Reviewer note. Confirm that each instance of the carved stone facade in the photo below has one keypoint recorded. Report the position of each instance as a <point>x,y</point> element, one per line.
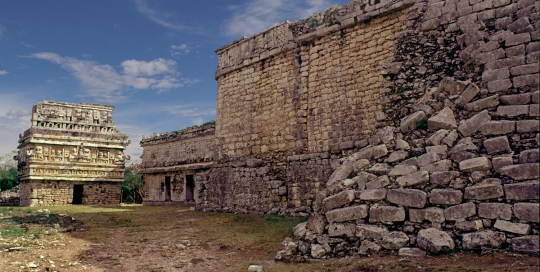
<point>72,154</point>
<point>175,164</point>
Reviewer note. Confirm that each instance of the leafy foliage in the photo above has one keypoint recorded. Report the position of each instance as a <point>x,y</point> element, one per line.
<point>8,171</point>
<point>133,185</point>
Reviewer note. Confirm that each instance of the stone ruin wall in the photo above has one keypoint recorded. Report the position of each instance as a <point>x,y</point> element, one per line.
<point>292,99</point>
<point>71,144</point>
<point>176,154</point>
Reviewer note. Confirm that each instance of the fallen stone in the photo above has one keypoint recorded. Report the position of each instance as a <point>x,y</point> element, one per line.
<point>373,195</point>
<point>300,230</point>
<point>497,127</point>
<point>386,214</point>
<point>379,169</point>
<point>439,149</point>
<point>517,228</point>
<point>386,134</point>
<point>460,212</point>
<point>284,256</point>
<point>380,182</point>
<point>411,252</point>
<point>343,172</point>
<point>431,214</point>
<point>472,125</point>
<point>427,158</point>
<point>402,169</point>
<point>363,178</point>
<point>496,145</point>
<point>467,96</point>
<point>397,156</point>
<point>439,166</point>
<point>409,122</point>
<point>445,197</point>
<point>420,177</point>
<point>451,86</point>
<point>485,103</point>
<point>407,197</point>
<point>317,251</point>
<point>526,244</point>
<point>529,156</point>
<point>338,200</point>
<point>402,145</point>
<point>475,164</point>
<point>360,165</point>
<point>527,211</point>
<point>443,120</point>
<point>437,137</point>
<point>365,231</point>
<point>443,178</point>
<point>522,191</point>
<point>500,162</point>
<point>394,240</point>
<point>521,171</point>
<point>450,138</point>
<point>368,247</point>
<point>435,241</point>
<point>379,151</point>
<point>475,225</point>
<point>481,239</point>
<point>487,189</point>
<point>347,214</point>
<point>495,211</point>
<point>316,223</point>
<point>342,229</point>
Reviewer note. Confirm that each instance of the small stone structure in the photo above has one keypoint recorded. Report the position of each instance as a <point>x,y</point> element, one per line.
<point>72,154</point>
<point>174,165</point>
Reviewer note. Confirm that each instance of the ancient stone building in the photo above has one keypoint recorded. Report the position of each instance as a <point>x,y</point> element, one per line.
<point>175,164</point>
<point>72,154</point>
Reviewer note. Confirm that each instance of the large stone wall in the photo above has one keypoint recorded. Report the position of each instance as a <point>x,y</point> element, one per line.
<point>71,145</point>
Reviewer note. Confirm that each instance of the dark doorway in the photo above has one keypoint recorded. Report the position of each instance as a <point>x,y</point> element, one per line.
<point>167,188</point>
<point>77,194</point>
<point>190,185</point>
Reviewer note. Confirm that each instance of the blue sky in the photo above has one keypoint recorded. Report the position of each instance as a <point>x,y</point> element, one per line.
<point>153,60</point>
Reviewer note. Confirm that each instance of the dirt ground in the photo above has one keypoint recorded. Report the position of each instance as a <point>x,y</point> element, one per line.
<point>136,238</point>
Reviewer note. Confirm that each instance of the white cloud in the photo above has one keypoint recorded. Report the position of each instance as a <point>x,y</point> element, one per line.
<point>180,49</point>
<point>165,19</point>
<point>190,110</point>
<point>14,114</point>
<point>26,45</point>
<point>3,72</point>
<point>258,15</point>
<point>105,84</point>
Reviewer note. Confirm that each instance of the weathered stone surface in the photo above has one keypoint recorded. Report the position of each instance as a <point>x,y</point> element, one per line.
<point>407,197</point>
<point>397,156</point>
<point>484,103</point>
<point>343,172</point>
<point>379,151</point>
<point>402,145</point>
<point>527,211</point>
<point>409,122</point>
<point>460,212</point>
<point>379,182</point>
<point>347,214</point>
<point>522,191</point>
<point>513,111</point>
<point>521,171</point>
<point>500,162</point>
<point>467,95</point>
<point>451,86</point>
<point>434,240</point>
<point>439,166</point>
<point>495,211</point>
<point>517,228</point>
<point>379,169</point>
<point>394,240</point>
<point>482,239</point>
<point>386,214</point>
<point>445,197</point>
<point>365,231</point>
<point>529,156</point>
<point>338,200</point>
<point>516,99</point>
<point>498,144</point>
<point>432,214</point>
<point>475,225</point>
<point>368,247</point>
<point>411,252</point>
<point>342,229</point>
<point>472,125</point>
<point>475,164</point>
<point>361,165</point>
<point>415,178</point>
<point>443,178</point>
<point>317,251</point>
<point>450,138</point>
<point>316,223</point>
<point>524,126</point>
<point>437,137</point>
<point>526,244</point>
<point>300,230</point>
<point>373,194</point>
<point>498,127</point>
<point>487,189</point>
<point>427,158</point>
<point>439,149</point>
<point>402,169</point>
<point>443,120</point>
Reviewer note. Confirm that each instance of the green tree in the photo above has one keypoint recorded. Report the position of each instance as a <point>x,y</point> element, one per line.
<point>8,171</point>
<point>133,185</point>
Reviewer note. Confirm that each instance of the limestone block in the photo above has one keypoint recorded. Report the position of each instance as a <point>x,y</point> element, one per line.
<point>379,169</point>
<point>467,96</point>
<point>379,151</point>
<point>439,149</point>
<point>475,225</point>
<point>338,200</point>
<point>409,122</point>
<point>428,158</point>
<point>317,251</point>
<point>437,137</point>
<point>343,172</point>
<point>500,162</point>
<point>342,229</point>
<point>459,212</point>
<point>380,182</point>
<point>498,144</point>
<point>368,247</point>
<point>411,252</point>
<point>528,190</point>
<point>402,169</point>
<point>521,171</point>
<point>439,166</point>
<point>485,103</point>
<point>445,197</point>
<point>386,214</point>
<point>360,165</point>
<point>525,126</point>
<point>397,156</point>
<point>487,189</point>
<point>526,244</point>
<point>407,197</point>
<point>475,164</point>
<point>394,240</point>
<point>347,214</point>
<point>527,211</point>
<point>443,120</point>
<point>316,223</point>
<point>516,99</point>
<point>529,156</point>
<point>415,178</point>
<point>451,86</point>
<point>498,127</point>
<point>432,214</point>
<point>513,110</point>
<point>517,228</point>
<point>434,240</point>
<point>486,238</point>
<point>443,177</point>
<point>373,194</point>
<point>402,145</point>
<point>495,211</point>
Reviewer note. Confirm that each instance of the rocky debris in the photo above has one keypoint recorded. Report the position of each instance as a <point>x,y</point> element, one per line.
<point>394,240</point>
<point>485,238</point>
<point>256,268</point>
<point>444,120</point>
<point>434,241</point>
<point>526,244</point>
<point>410,122</point>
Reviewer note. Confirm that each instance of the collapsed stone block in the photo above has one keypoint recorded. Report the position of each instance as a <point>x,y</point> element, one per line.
<point>402,169</point>
<point>443,120</point>
<point>420,177</point>
<point>338,200</point>
<point>394,240</point>
<point>409,122</point>
<point>526,244</point>
<point>473,124</point>
<point>482,239</point>
<point>434,240</point>
<point>517,228</point>
<point>368,247</point>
